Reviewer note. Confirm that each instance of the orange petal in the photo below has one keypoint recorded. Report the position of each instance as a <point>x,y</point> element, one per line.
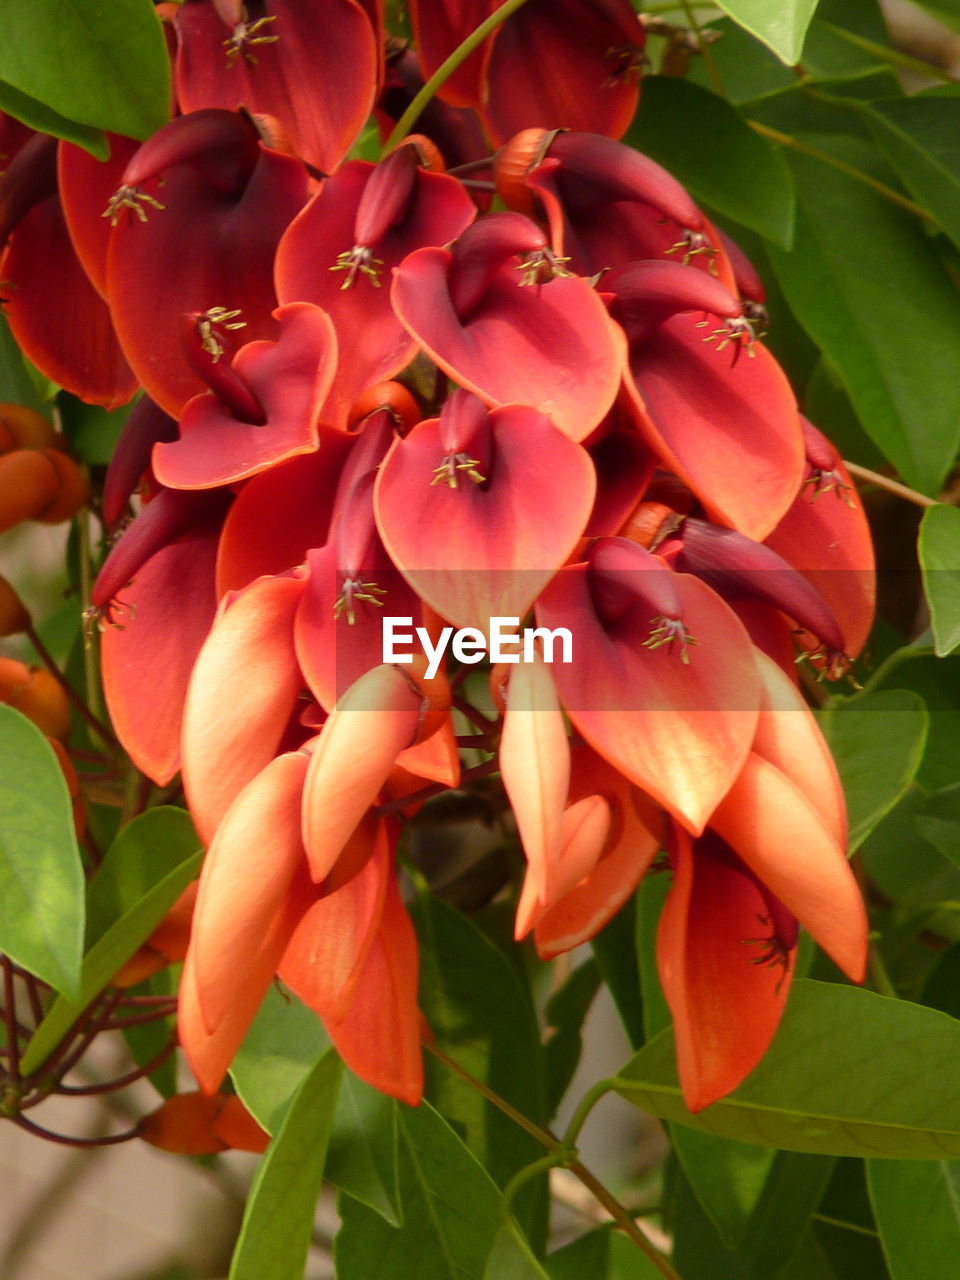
<point>784,841</point>
<point>584,829</point>
<point>246,875</point>
<point>242,692</point>
<point>535,765</point>
<point>379,1038</point>
<point>373,722</point>
<point>725,1008</point>
<point>331,943</point>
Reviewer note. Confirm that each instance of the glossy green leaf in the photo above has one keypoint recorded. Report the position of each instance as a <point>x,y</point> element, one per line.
<point>482,1017</point>
<point>781,25</point>
<point>102,65</point>
<point>939,552</point>
<point>452,1212</point>
<point>279,1051</point>
<point>41,873</point>
<point>884,342</point>
<point>865,1096</point>
<point>278,1220</point>
<point>920,137</point>
<point>877,740</point>
<point>149,865</point>
<point>917,1209</point>
<point>707,145</point>
<point>42,117</point>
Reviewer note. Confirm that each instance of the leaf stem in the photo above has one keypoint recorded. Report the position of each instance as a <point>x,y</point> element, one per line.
<point>584,1107</point>
<point>78,704</point>
<point>709,61</point>
<point>891,486</point>
<point>881,188</point>
<point>555,1145</point>
<point>446,70</point>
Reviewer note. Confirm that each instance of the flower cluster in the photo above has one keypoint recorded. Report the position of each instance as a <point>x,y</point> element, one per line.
<point>367,395</point>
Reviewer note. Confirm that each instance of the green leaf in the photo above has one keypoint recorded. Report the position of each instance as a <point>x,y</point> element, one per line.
<point>452,1212</point>
<point>919,137</point>
<point>483,1018</point>
<point>601,1254</point>
<point>651,896</point>
<point>838,1080</point>
<point>39,116</point>
<point>937,818</point>
<point>616,953</point>
<point>102,65</point>
<point>16,386</point>
<point>782,26</point>
<point>147,850</point>
<point>565,1013</point>
<point>883,342</point>
<point>149,865</point>
<point>362,1160</point>
<point>877,740</point>
<point>707,145</point>
<point>93,432</point>
<point>41,872</point>
<point>279,1051</point>
<point>917,1210</point>
<point>939,551</point>
<point>511,1257</point>
<point>278,1220</point>
<point>727,1178</point>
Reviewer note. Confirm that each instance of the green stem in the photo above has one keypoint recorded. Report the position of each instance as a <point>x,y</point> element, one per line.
<point>446,70</point>
<point>584,1107</point>
<point>531,1171</point>
<point>91,674</point>
<point>81,708</point>
<point>713,71</point>
<point>881,188</point>
<point>883,672</point>
<point>891,486</point>
<point>556,1147</point>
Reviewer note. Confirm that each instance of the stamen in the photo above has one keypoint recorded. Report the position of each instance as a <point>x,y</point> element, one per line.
<point>99,617</point>
<point>359,258</point>
<point>449,470</point>
<point>691,245</point>
<point>829,664</point>
<point>670,632</point>
<point>208,324</point>
<point>759,317</point>
<point>354,590</point>
<point>244,34</point>
<point>775,953</point>
<point>827,481</point>
<point>542,265</point>
<point>629,63</point>
<point>127,197</point>
<point>734,329</point>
